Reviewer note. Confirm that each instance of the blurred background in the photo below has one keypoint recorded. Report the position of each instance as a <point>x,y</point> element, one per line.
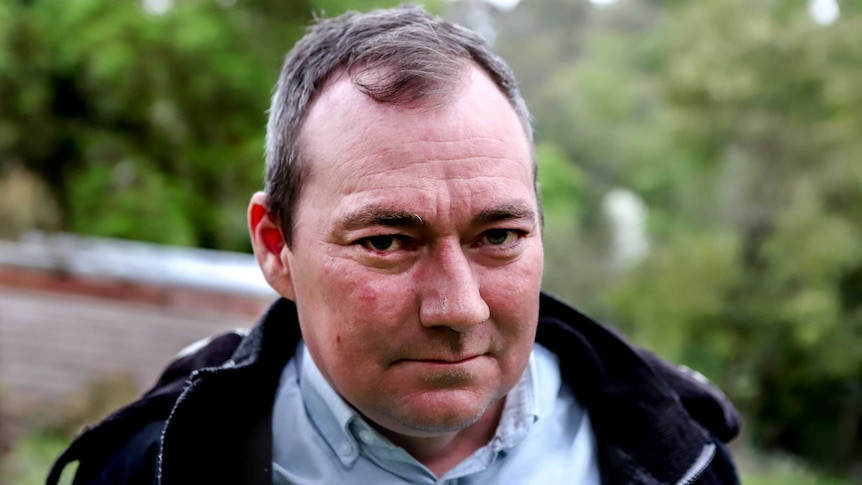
<point>700,164</point>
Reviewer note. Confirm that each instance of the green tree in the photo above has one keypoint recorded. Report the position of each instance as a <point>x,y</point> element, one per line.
<point>774,117</point>
<point>737,122</point>
<point>146,125</point>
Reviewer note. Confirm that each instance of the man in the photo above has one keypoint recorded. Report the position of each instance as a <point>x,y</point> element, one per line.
<point>402,226</point>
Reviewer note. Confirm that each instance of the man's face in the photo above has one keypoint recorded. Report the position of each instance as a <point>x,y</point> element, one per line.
<point>416,258</point>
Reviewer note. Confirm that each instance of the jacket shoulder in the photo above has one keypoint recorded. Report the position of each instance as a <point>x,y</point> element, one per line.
<point>123,447</point>
<point>703,400</point>
<point>613,359</point>
<point>648,414</point>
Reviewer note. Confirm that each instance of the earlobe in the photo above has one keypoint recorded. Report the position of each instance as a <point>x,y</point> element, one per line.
<point>269,246</point>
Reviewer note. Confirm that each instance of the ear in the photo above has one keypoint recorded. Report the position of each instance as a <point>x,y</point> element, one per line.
<point>269,245</point>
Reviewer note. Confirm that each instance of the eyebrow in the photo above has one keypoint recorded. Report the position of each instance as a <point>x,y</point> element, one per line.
<point>382,216</point>
<point>504,213</point>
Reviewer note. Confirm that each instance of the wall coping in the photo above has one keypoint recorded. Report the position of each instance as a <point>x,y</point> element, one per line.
<point>137,263</point>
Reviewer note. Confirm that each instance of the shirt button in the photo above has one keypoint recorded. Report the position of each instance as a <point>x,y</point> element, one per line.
<point>345,448</point>
<point>366,436</point>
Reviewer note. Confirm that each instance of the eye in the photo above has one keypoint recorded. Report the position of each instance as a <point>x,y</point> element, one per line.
<point>502,237</point>
<point>384,244</point>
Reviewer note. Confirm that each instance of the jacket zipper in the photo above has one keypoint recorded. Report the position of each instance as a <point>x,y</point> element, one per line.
<point>699,465</point>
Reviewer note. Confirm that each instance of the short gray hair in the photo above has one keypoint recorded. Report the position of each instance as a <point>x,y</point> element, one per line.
<point>400,56</point>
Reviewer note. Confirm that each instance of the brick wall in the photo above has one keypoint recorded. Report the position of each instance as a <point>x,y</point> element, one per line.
<point>60,332</point>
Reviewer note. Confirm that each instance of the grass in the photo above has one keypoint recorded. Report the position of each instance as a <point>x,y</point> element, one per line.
<point>31,457</point>
<point>759,468</point>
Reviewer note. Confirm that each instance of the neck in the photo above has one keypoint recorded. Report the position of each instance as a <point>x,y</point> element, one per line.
<point>441,453</point>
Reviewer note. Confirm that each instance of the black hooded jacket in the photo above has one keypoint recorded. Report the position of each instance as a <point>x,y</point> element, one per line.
<point>209,417</point>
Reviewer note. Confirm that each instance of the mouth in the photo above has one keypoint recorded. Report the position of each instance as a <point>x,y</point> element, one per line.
<point>445,361</point>
<point>449,372</point>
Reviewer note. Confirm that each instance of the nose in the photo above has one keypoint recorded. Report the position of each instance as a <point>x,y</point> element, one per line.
<point>450,293</point>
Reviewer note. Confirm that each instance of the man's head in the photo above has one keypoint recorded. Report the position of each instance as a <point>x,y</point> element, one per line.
<point>399,56</point>
<point>415,254</point>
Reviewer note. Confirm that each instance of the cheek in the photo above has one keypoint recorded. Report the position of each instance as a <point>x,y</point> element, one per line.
<point>513,296</point>
<point>368,296</point>
<point>345,290</point>
<point>510,285</point>
<point>365,309</point>
<point>365,323</point>
<point>368,293</point>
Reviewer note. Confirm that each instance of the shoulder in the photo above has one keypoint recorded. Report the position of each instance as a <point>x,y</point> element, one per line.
<point>667,416</point>
<point>602,359</point>
<point>701,398</point>
<point>123,447</point>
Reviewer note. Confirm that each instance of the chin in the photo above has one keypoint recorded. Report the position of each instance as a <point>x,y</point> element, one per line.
<point>444,415</point>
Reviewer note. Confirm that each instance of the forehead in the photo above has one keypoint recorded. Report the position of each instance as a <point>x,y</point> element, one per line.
<point>473,141</point>
<point>341,113</point>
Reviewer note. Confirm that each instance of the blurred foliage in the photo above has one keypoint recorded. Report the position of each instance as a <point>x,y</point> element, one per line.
<point>29,461</point>
<point>145,126</point>
<point>782,470</point>
<point>737,123</point>
<point>25,203</point>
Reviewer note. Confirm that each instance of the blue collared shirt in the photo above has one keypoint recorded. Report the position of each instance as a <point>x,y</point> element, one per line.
<point>544,436</point>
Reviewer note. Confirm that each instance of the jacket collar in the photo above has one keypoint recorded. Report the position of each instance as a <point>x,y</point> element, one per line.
<point>644,431</point>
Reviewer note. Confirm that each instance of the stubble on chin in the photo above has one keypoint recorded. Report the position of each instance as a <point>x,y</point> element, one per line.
<point>448,379</point>
<point>446,419</point>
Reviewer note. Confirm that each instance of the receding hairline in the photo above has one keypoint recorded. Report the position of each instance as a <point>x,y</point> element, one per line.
<point>440,99</point>
<point>446,91</point>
